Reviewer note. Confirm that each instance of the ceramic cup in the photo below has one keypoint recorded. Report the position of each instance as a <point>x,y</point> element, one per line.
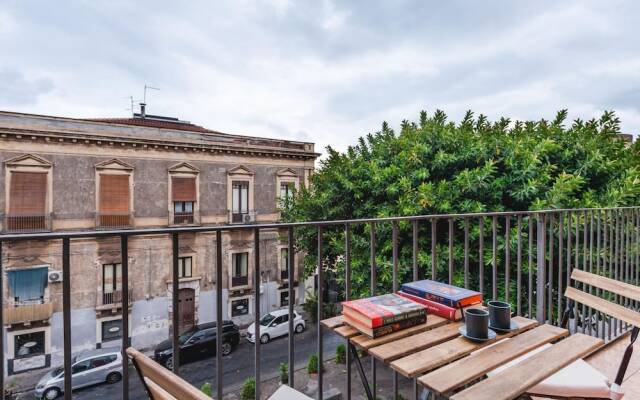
<point>499,314</point>
<point>477,323</point>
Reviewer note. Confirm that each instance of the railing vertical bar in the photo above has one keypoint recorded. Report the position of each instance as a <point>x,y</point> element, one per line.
<point>560,253</point>
<point>415,250</point>
<point>175,303</point>
<point>540,272</point>
<point>320,307</point>
<point>617,264</point>
<point>590,315</point>
<point>569,223</point>
<point>256,311</point>
<point>466,253</point>
<point>494,258</point>
<point>626,257</point>
<point>611,252</point>
<point>124,251</point>
<point>481,255</point>
<point>374,284</point>
<point>507,257</point>
<point>1,324</point>
<point>598,261</point>
<point>347,294</point>
<point>434,256</point>
<point>394,250</point>
<point>291,254</point>
<point>550,269</point>
<point>576,263</point>
<point>219,318</point>
<point>585,238</point>
<point>450,250</point>
<point>530,291</point>
<point>519,266</point>
<point>66,315</point>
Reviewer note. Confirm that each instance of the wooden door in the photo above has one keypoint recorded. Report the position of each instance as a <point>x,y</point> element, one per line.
<point>187,309</point>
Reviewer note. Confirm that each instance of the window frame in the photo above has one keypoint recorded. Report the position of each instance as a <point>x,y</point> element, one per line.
<point>182,267</point>
<point>16,347</point>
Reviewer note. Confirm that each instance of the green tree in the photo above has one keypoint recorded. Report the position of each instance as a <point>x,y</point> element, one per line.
<point>434,166</point>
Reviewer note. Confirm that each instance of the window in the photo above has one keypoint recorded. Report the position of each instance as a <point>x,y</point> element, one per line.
<point>111,330</point>
<point>284,263</point>
<point>183,192</point>
<point>239,200</point>
<point>239,274</point>
<point>284,298</point>
<point>29,344</point>
<point>239,307</point>
<point>81,367</point>
<point>111,283</point>
<point>27,285</point>
<point>27,201</point>
<point>114,200</point>
<point>102,361</point>
<point>286,190</point>
<point>184,267</point>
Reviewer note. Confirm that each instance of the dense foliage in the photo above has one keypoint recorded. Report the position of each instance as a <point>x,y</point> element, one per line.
<point>437,167</point>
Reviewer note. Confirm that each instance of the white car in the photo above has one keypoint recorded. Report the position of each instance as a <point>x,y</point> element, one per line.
<point>275,324</point>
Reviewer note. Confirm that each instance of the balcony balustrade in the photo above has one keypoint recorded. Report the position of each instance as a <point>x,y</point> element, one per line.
<point>27,312</point>
<point>25,223</point>
<point>114,220</point>
<point>522,257</point>
<point>112,300</point>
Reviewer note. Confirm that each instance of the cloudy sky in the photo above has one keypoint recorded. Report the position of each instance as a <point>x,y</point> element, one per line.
<point>321,71</point>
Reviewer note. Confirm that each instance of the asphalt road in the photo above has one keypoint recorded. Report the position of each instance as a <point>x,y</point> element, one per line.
<point>238,366</point>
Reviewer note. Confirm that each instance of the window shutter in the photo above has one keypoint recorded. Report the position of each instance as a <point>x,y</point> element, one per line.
<point>183,189</point>
<point>28,193</point>
<point>114,193</point>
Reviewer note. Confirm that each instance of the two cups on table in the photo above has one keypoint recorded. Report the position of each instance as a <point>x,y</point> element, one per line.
<point>497,316</point>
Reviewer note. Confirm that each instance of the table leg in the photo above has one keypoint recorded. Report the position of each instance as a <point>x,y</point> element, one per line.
<point>363,377</point>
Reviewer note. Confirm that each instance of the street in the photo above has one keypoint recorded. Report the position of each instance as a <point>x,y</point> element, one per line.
<point>238,366</point>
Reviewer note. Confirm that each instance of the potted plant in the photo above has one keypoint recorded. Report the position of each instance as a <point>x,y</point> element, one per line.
<point>283,370</point>
<point>248,391</point>
<point>312,364</point>
<point>341,354</point>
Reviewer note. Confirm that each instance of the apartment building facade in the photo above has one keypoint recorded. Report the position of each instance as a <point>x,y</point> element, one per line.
<point>145,171</point>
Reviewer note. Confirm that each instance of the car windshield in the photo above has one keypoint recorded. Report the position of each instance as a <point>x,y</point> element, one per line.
<point>184,337</point>
<point>266,320</point>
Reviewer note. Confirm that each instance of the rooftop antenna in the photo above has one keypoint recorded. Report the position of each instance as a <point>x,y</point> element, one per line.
<point>143,105</point>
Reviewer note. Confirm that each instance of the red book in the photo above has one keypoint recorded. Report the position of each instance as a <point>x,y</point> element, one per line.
<point>382,310</point>
<point>385,329</point>
<point>435,308</point>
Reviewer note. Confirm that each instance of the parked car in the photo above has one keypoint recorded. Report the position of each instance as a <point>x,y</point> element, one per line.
<point>275,324</point>
<point>198,342</point>
<point>87,368</point>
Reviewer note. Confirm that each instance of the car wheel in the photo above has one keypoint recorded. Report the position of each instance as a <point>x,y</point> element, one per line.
<point>168,363</point>
<point>114,377</point>
<point>299,328</point>
<point>226,348</point>
<point>51,394</point>
<point>264,339</point>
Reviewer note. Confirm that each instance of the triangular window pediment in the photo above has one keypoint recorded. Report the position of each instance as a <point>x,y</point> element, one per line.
<point>28,160</point>
<point>287,172</point>
<point>184,168</point>
<point>114,164</point>
<point>240,170</point>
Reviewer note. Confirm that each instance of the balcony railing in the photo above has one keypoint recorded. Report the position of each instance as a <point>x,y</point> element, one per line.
<point>523,257</point>
<point>238,281</point>
<point>113,299</point>
<point>284,275</point>
<point>25,223</point>
<point>184,218</point>
<point>27,312</point>
<point>114,220</point>
<point>242,218</point>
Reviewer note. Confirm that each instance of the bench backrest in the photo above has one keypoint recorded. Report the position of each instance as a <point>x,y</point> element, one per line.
<point>162,384</point>
<point>607,307</point>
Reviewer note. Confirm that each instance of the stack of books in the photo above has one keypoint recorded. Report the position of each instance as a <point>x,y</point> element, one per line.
<point>444,300</point>
<point>381,315</point>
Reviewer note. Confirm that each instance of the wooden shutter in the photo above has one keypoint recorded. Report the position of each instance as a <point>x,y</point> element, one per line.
<point>183,189</point>
<point>28,193</point>
<point>114,193</point>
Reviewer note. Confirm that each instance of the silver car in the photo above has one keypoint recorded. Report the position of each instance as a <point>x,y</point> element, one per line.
<point>88,368</point>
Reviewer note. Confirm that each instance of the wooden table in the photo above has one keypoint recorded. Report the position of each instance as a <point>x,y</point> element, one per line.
<point>447,364</point>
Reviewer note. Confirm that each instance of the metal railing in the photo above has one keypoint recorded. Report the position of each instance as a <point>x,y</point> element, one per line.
<point>114,220</point>
<point>23,223</point>
<point>184,218</point>
<point>114,298</point>
<point>27,312</point>
<point>524,257</point>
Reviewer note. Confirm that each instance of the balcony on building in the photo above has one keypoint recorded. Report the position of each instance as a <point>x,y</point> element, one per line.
<point>112,300</point>
<point>27,312</point>
<point>27,223</point>
<point>114,220</point>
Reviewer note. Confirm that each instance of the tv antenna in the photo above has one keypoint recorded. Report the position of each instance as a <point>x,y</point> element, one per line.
<point>146,87</point>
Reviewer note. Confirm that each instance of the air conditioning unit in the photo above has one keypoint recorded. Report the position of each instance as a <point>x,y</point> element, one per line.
<point>248,218</point>
<point>55,276</point>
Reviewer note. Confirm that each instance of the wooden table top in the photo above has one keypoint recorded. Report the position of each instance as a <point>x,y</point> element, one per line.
<point>444,362</point>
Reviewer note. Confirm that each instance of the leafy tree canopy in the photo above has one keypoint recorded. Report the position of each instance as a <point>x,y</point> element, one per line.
<point>438,167</point>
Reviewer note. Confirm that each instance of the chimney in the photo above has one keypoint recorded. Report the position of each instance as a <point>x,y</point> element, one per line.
<point>143,111</point>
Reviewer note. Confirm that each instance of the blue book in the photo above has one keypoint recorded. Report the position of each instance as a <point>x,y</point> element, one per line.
<point>449,295</point>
